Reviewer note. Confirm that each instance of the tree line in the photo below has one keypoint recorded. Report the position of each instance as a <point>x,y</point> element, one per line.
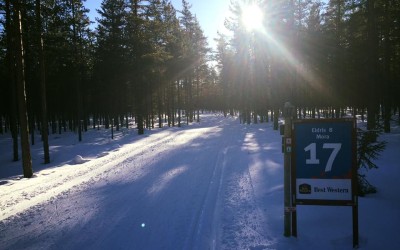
<point>322,56</point>
<point>148,61</point>
<point>143,60</point>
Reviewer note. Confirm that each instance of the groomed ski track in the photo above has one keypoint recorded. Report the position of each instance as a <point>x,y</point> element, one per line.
<point>203,186</point>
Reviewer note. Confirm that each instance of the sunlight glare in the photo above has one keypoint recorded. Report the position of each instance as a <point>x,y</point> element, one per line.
<point>252,17</point>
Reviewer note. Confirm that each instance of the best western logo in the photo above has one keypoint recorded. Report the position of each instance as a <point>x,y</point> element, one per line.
<point>305,188</point>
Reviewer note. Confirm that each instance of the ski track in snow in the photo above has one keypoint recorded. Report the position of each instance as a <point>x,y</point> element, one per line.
<point>242,217</point>
<point>64,202</point>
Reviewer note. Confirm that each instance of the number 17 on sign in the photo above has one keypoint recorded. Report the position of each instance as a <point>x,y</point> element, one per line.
<point>313,160</point>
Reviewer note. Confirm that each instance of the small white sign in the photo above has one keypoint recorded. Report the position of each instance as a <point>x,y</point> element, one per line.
<point>323,189</point>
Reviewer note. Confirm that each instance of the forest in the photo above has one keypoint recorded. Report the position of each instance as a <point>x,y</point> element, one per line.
<point>147,62</point>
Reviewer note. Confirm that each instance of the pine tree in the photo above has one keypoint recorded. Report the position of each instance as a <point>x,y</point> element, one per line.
<point>195,49</point>
<point>224,58</point>
<point>174,47</point>
<point>372,64</point>
<point>136,46</point>
<point>21,93</point>
<point>44,125</point>
<point>111,54</point>
<point>11,98</point>
<point>368,150</point>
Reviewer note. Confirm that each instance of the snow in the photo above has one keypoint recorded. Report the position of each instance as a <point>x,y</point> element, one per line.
<point>216,184</point>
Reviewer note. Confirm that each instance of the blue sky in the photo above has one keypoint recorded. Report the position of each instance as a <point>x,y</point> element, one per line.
<point>210,13</point>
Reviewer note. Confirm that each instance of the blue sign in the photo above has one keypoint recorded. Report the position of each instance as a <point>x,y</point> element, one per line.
<point>323,154</point>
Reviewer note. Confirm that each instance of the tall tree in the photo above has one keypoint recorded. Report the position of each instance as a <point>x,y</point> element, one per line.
<point>136,45</point>
<point>195,49</point>
<point>174,64</point>
<point>372,64</point>
<point>11,79</point>
<point>44,126</point>
<point>111,59</point>
<point>224,58</point>
<point>20,81</point>
<point>78,24</point>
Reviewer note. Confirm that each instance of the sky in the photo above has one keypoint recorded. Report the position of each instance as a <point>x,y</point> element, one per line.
<point>210,14</point>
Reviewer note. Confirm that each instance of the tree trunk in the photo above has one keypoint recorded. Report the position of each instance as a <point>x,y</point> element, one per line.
<point>372,65</point>
<point>198,96</point>
<point>276,119</point>
<point>76,73</point>
<point>140,124</point>
<point>20,75</point>
<point>179,104</point>
<point>14,128</point>
<point>159,101</point>
<point>387,98</point>
<point>11,68</point>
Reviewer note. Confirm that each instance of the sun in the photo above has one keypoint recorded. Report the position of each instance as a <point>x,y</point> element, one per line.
<point>252,17</point>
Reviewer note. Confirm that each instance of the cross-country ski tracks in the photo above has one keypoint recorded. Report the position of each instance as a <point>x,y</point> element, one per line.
<point>202,233</point>
<point>50,183</point>
<point>175,189</point>
<point>242,217</point>
<point>229,210</point>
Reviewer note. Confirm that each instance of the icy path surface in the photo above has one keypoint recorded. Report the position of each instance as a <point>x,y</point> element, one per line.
<point>216,184</point>
<point>204,186</point>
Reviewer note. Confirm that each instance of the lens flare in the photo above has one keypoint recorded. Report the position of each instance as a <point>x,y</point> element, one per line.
<point>252,17</point>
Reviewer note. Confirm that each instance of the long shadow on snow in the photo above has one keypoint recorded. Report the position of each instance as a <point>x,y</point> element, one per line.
<point>65,147</point>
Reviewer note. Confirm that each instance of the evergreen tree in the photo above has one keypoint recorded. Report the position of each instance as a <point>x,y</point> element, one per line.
<point>41,61</point>
<point>21,93</point>
<point>111,63</point>
<point>224,58</point>
<point>368,150</point>
<point>174,64</point>
<point>136,46</point>
<point>194,52</point>
<point>10,79</point>
<point>240,59</point>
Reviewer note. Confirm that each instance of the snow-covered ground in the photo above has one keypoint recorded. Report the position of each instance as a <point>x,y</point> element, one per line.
<point>217,184</point>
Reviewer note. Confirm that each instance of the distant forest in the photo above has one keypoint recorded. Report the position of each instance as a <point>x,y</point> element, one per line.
<point>148,61</point>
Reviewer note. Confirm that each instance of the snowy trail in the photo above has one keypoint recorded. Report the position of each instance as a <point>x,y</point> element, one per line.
<point>165,191</point>
<point>211,185</point>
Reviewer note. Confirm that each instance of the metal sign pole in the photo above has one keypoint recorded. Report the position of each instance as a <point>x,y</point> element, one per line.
<point>355,223</point>
<point>287,112</point>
